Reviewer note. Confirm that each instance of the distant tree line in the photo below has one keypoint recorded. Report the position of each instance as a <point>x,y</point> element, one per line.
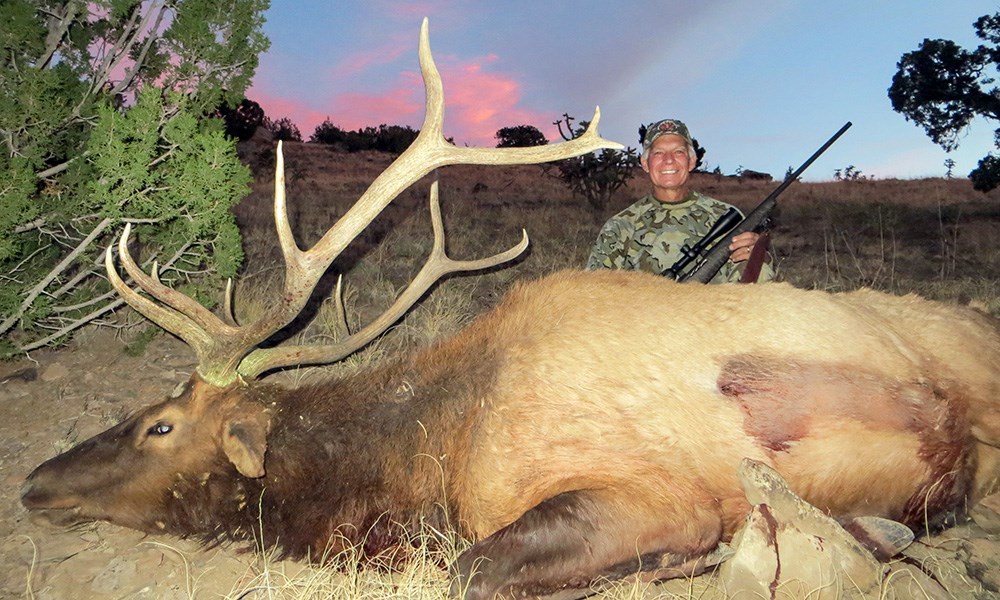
<point>243,120</point>
<point>394,139</point>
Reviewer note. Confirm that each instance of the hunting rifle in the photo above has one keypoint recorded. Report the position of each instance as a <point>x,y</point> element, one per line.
<point>719,254</point>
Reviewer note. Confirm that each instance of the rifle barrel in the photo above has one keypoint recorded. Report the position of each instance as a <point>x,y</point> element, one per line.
<point>719,254</point>
<point>795,175</point>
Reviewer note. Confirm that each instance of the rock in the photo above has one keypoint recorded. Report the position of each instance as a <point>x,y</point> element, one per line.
<point>789,548</point>
<point>55,371</point>
<point>940,558</point>
<point>982,559</point>
<point>986,513</point>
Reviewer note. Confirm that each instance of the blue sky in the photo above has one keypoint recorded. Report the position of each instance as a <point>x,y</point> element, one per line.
<point>761,84</point>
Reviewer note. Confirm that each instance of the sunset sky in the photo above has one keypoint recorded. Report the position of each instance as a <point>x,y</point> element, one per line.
<point>761,83</point>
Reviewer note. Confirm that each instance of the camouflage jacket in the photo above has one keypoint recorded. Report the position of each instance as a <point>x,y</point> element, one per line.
<point>648,236</point>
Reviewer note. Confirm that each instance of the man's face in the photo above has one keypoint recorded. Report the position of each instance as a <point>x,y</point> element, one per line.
<point>668,165</point>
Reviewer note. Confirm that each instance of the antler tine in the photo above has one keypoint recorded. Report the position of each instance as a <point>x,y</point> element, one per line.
<point>218,345</point>
<point>438,265</point>
<point>166,317</point>
<point>302,269</point>
<point>228,313</point>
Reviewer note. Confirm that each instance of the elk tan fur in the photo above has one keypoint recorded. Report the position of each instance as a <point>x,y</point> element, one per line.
<point>570,391</point>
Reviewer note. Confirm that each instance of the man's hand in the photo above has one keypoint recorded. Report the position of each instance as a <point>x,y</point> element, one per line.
<point>741,246</point>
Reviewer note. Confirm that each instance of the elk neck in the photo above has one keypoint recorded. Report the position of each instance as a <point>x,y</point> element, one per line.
<point>368,457</point>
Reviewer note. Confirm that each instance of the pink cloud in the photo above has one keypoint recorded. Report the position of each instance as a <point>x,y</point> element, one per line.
<point>277,107</point>
<point>403,105</point>
<point>478,102</point>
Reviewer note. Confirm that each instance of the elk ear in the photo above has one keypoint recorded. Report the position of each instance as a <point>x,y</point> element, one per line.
<point>244,441</point>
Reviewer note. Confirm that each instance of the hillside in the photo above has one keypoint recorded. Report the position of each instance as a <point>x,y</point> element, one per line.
<point>932,236</point>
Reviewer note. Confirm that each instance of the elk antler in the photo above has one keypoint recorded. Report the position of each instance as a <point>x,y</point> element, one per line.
<point>227,352</point>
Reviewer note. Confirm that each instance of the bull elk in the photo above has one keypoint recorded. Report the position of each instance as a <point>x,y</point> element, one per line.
<point>588,428</point>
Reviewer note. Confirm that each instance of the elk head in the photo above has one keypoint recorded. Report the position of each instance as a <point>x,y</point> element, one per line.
<point>132,473</point>
<point>127,474</point>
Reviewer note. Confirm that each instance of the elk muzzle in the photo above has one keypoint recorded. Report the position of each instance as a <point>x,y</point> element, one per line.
<point>84,483</point>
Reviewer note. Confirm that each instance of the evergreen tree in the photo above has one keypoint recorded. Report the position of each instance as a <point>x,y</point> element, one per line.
<point>283,129</point>
<point>942,87</point>
<point>242,120</point>
<point>104,111</point>
<point>520,136</point>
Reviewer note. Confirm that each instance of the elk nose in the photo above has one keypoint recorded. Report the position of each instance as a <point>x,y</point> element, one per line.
<point>34,495</point>
<point>27,497</point>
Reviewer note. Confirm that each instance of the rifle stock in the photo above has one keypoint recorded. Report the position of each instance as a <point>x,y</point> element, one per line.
<point>719,254</point>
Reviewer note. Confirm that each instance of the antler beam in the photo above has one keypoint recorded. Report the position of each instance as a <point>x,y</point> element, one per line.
<point>227,352</point>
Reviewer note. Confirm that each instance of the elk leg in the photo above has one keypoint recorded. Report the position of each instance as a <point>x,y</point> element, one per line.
<point>567,544</point>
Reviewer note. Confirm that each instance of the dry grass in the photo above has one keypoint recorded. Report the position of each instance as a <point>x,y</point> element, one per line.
<point>418,574</point>
<point>421,576</point>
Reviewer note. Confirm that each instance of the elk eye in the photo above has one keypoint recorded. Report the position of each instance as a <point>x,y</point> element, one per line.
<point>160,429</point>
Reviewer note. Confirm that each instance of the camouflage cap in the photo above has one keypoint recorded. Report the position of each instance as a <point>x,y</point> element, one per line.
<point>665,127</point>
